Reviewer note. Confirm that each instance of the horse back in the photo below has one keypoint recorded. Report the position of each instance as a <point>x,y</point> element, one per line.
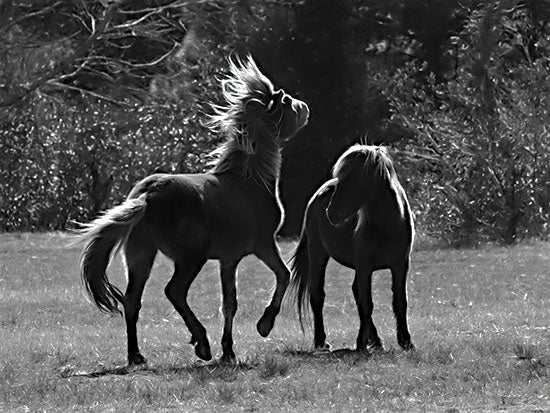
<point>174,219</point>
<point>218,215</point>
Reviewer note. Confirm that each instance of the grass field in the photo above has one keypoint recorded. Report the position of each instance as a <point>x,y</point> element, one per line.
<point>480,320</point>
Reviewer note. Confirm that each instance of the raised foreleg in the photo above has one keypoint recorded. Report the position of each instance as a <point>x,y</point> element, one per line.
<point>271,256</point>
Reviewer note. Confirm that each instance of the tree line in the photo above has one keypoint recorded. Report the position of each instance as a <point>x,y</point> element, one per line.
<point>96,94</point>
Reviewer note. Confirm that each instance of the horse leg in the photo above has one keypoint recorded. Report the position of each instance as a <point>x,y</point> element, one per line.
<point>228,273</point>
<point>318,259</point>
<point>176,290</point>
<point>399,289</point>
<point>271,256</point>
<point>139,254</point>
<point>362,291</point>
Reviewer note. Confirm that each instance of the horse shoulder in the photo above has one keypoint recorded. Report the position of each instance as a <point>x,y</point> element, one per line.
<point>322,196</point>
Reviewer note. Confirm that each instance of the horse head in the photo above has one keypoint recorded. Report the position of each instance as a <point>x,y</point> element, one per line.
<point>361,173</point>
<point>254,110</point>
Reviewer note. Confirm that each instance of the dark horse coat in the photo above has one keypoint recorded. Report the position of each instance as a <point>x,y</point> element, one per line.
<point>362,219</point>
<point>225,214</point>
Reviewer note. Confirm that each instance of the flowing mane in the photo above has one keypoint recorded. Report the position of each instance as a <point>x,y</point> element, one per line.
<point>192,218</point>
<point>375,157</point>
<point>251,148</point>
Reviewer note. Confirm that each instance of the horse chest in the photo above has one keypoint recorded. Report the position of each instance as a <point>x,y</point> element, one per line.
<point>273,214</point>
<point>377,243</point>
<point>237,225</point>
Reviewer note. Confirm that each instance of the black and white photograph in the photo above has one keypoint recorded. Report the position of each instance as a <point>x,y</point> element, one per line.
<point>275,206</point>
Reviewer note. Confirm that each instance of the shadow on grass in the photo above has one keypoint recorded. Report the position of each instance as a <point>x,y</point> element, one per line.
<point>215,369</point>
<point>271,365</point>
<point>345,354</point>
<point>71,371</point>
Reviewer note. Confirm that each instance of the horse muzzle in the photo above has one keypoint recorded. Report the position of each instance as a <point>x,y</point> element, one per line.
<point>303,112</point>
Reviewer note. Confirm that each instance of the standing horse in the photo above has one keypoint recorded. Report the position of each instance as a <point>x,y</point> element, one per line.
<point>225,214</point>
<point>362,219</point>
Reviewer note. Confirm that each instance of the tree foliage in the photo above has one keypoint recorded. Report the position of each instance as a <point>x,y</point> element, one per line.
<point>481,140</point>
<point>96,94</point>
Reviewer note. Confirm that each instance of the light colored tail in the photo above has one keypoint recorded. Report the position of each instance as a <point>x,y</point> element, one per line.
<point>102,235</point>
<point>299,285</point>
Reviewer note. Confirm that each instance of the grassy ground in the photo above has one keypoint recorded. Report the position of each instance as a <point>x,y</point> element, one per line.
<point>480,320</point>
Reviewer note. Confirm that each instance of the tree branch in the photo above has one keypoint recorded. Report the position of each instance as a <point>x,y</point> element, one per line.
<point>30,15</point>
<point>88,92</point>
<point>48,75</point>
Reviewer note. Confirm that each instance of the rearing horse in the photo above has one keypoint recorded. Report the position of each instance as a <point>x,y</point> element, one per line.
<point>362,219</point>
<point>226,214</point>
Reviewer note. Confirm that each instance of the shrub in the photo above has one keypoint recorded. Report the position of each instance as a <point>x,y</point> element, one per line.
<point>83,158</point>
<point>479,159</point>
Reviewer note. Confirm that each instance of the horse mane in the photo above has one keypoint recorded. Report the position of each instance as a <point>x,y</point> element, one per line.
<point>251,148</point>
<point>375,157</point>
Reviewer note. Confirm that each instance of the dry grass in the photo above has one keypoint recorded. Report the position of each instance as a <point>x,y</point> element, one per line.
<point>479,319</point>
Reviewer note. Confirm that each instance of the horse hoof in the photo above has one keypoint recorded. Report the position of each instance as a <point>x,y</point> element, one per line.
<point>323,347</point>
<point>203,351</point>
<point>228,358</point>
<point>341,352</point>
<point>265,325</point>
<point>407,346</point>
<point>373,348</point>
<point>136,359</point>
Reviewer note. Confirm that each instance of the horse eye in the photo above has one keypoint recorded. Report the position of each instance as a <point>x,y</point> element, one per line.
<point>286,100</point>
<point>272,105</point>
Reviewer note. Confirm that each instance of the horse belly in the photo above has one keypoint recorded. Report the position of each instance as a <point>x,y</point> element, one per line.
<point>383,253</point>
<point>188,236</point>
<point>226,247</point>
<point>338,242</point>
<point>347,248</point>
<point>232,232</point>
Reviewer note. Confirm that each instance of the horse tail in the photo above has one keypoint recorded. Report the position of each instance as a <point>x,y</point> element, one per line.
<point>105,233</point>
<point>299,286</point>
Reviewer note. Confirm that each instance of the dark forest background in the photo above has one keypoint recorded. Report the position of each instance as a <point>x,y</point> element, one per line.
<point>97,94</point>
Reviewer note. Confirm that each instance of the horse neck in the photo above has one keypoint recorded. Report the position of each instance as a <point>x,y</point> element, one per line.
<point>262,166</point>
